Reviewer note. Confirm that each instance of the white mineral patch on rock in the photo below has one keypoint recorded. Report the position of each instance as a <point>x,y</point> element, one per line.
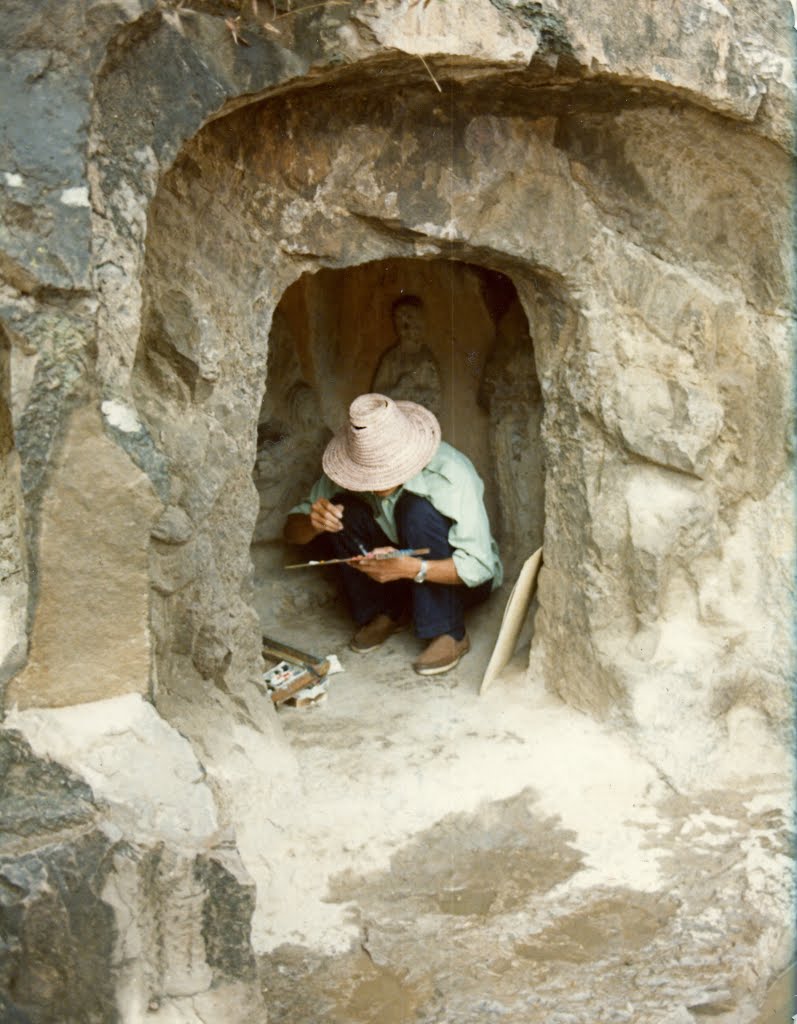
<point>121,416</point>
<point>23,369</point>
<point>78,196</point>
<point>134,761</point>
<point>13,180</point>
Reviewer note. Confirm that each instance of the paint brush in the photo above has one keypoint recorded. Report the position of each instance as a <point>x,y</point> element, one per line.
<point>404,552</point>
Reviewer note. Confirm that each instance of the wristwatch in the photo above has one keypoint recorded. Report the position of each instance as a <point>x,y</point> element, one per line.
<point>421,574</point>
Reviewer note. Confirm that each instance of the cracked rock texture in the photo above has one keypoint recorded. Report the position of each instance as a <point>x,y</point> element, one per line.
<point>123,898</point>
<point>200,243</point>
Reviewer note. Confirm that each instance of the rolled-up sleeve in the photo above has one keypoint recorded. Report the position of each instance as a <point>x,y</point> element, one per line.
<point>452,485</point>
<point>473,554</point>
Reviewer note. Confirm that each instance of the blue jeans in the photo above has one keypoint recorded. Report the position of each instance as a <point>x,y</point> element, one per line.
<point>436,608</point>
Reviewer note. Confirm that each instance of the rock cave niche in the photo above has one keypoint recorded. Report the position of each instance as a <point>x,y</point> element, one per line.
<point>646,334</point>
<point>639,167</point>
<point>448,334</point>
<point>264,199</point>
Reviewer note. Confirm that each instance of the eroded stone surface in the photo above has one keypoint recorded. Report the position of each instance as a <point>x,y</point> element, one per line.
<point>13,570</point>
<point>56,930</point>
<point>629,171</point>
<point>121,900</point>
<point>106,743</point>
<point>588,891</point>
<point>91,636</point>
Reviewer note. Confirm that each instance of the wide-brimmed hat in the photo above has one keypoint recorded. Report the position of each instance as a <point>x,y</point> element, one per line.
<point>383,444</point>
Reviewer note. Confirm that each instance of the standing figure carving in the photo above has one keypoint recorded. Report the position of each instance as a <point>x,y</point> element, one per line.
<point>408,370</point>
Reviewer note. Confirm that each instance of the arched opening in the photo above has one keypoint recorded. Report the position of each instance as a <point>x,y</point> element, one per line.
<point>275,269</point>
<point>450,335</point>
<point>249,240</point>
<point>262,250</point>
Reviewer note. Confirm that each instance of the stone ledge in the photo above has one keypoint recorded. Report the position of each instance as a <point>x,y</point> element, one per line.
<point>135,762</point>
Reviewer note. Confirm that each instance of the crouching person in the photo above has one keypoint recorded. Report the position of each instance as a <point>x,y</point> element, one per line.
<point>390,483</point>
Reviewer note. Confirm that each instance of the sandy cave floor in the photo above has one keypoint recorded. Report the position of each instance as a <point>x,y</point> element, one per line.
<point>461,858</point>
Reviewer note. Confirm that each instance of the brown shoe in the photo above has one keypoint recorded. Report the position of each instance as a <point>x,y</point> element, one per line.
<point>442,654</point>
<point>369,637</point>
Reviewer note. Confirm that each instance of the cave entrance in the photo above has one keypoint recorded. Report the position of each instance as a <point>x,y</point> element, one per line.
<point>339,333</point>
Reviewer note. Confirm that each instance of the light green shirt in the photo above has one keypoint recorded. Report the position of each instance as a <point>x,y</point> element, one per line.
<point>451,484</point>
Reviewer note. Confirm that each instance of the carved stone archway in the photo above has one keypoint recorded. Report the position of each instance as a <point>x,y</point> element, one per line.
<point>627,348</point>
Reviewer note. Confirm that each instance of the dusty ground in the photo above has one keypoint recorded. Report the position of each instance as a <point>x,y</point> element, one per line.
<point>461,859</point>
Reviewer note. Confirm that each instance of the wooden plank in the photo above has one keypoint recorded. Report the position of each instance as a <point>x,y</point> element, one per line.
<point>514,616</point>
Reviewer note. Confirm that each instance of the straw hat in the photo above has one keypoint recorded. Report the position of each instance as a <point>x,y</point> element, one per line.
<point>383,445</point>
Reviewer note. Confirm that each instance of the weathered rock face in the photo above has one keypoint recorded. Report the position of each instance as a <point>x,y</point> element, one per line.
<point>90,636</point>
<point>202,240</point>
<point>57,932</point>
<point>121,899</point>
<point>13,574</point>
<point>627,174</point>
